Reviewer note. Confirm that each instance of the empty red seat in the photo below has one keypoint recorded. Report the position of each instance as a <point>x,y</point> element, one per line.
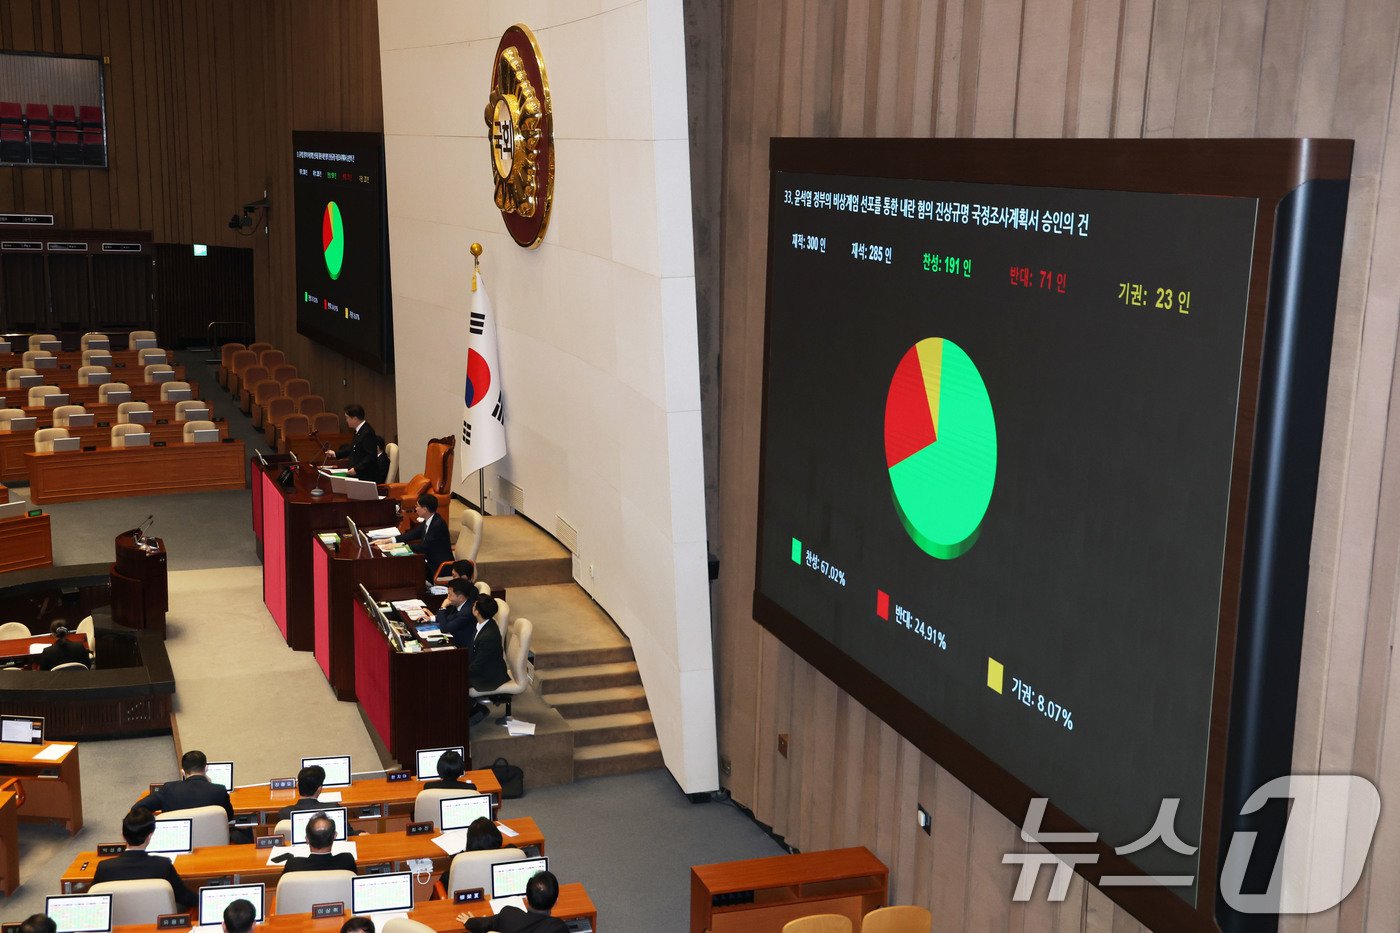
<point>90,116</point>
<point>67,148</point>
<point>65,115</point>
<point>94,149</point>
<point>41,145</point>
<point>38,115</point>
<point>11,114</point>
<point>13,146</point>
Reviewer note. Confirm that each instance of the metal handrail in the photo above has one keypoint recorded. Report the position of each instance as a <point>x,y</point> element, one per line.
<point>214,345</point>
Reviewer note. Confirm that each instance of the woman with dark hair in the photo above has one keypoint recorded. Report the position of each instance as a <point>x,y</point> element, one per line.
<point>62,651</point>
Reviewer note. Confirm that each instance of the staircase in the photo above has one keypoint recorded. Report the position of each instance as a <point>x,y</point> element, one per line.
<point>599,693</point>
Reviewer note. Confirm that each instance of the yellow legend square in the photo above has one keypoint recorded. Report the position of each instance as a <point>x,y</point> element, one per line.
<point>995,671</point>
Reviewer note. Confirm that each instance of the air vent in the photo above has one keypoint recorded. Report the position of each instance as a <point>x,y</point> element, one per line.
<point>566,533</point>
<point>509,494</point>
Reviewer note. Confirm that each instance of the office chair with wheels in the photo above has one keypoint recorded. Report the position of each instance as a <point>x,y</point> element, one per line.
<point>193,426</point>
<point>519,666</point>
<point>90,355</point>
<point>136,335</point>
<point>820,923</point>
<point>31,357</point>
<point>38,340</point>
<point>469,539</point>
<point>138,901</point>
<point>283,828</point>
<point>425,805</point>
<point>297,892</point>
<point>904,918</point>
<point>150,355</point>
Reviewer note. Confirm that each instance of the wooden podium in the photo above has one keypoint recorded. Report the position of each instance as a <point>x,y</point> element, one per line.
<point>140,592</point>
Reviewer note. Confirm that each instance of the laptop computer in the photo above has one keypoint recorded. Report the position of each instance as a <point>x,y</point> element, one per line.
<point>339,815</point>
<point>214,898</point>
<point>22,730</point>
<point>221,773</point>
<point>80,913</point>
<point>382,896</point>
<point>461,812</point>
<point>428,759</point>
<point>337,769</point>
<point>172,837</point>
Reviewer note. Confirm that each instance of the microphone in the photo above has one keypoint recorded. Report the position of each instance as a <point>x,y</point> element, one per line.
<point>141,538</point>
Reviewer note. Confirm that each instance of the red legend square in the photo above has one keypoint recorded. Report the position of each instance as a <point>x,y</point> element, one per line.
<point>882,604</point>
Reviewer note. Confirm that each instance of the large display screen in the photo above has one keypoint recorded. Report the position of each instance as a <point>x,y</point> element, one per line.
<point>1041,426</point>
<point>342,245</point>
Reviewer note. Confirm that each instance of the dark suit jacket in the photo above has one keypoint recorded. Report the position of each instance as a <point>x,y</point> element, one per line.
<point>138,863</point>
<point>194,791</point>
<point>458,622</point>
<point>378,472</point>
<point>361,452</point>
<point>488,662</point>
<point>307,803</point>
<point>515,920</point>
<point>435,543</point>
<point>440,784</point>
<point>343,861</point>
<point>62,652</point>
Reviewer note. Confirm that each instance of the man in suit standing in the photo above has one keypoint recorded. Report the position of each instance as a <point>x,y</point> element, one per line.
<point>320,837</point>
<point>138,826</point>
<point>488,661</point>
<point>541,893</point>
<point>62,651</point>
<point>455,617</point>
<point>428,537</point>
<point>360,451</point>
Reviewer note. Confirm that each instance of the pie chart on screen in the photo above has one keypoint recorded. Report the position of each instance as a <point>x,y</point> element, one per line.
<point>333,239</point>
<point>940,447</point>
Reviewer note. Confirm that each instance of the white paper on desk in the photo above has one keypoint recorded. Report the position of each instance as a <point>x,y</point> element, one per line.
<point>500,903</point>
<point>452,841</point>
<point>301,851</point>
<point>407,604</point>
<point>339,847</point>
<point>329,796</point>
<point>53,752</point>
<point>390,532</point>
<point>37,648</point>
<point>505,830</point>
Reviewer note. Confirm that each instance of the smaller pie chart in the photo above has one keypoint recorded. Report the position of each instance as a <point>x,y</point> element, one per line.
<point>940,447</point>
<point>333,239</point>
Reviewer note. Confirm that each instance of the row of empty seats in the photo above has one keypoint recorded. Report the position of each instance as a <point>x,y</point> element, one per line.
<point>69,135</point>
<point>269,389</point>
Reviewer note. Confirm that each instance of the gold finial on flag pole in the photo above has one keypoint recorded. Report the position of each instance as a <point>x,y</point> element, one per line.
<point>476,262</point>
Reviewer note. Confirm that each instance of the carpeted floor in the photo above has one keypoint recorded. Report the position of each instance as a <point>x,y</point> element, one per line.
<point>243,695</point>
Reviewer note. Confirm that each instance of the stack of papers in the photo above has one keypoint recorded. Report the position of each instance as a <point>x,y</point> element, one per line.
<point>377,533</point>
<point>53,752</point>
<point>519,727</point>
<point>452,841</point>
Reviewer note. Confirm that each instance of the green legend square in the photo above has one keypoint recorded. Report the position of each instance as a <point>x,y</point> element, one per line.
<point>796,551</point>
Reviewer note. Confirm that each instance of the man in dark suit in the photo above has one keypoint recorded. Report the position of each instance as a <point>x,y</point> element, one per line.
<point>455,618</point>
<point>62,651</point>
<point>360,451</point>
<point>320,837</point>
<point>428,537</point>
<point>450,768</point>
<point>380,471</point>
<point>487,670</point>
<point>309,782</point>
<point>541,893</point>
<point>193,789</point>
<point>239,916</point>
<point>137,827</point>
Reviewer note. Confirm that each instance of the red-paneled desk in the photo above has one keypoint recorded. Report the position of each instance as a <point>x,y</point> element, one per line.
<point>285,522</point>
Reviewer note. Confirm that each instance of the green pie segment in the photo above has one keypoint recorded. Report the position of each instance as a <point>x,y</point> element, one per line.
<point>941,447</point>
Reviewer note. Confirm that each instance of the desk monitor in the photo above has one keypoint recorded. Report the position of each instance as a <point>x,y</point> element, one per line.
<point>118,396</point>
<point>354,529</point>
<point>428,759</point>
<point>175,836</point>
<point>214,898</point>
<point>80,421</point>
<point>461,812</point>
<point>30,381</point>
<point>22,730</point>
<point>378,893</point>
<point>144,416</point>
<point>80,913</point>
<point>337,769</point>
<point>95,344</point>
<point>163,376</point>
<point>24,424</point>
<point>52,346</point>
<point>361,489</point>
<point>205,436</point>
<point>5,347</point>
<point>178,395</point>
<point>45,362</point>
<point>143,343</point>
<point>55,399</point>
<point>137,440</point>
<point>508,879</point>
<point>339,815</point>
<point>100,359</point>
<point>221,773</point>
<point>14,509</point>
<point>202,414</point>
<point>64,444</point>
<point>97,379</point>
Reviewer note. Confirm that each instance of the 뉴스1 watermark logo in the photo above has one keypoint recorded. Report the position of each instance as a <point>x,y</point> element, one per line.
<point>1331,822</point>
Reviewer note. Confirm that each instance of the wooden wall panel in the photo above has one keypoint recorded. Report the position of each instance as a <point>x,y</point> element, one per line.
<point>1125,68</point>
<point>202,97</point>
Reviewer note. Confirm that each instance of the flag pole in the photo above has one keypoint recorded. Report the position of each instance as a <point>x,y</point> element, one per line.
<point>481,471</point>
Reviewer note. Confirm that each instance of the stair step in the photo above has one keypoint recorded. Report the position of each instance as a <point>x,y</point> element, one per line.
<point>588,677</point>
<point>583,703</point>
<point>553,660</point>
<point>617,758</point>
<point>616,727</point>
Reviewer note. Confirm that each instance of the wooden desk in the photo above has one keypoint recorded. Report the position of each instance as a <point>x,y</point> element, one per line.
<point>53,790</point>
<point>850,882</point>
<point>140,583</point>
<point>78,394</point>
<point>394,798</point>
<point>441,915</point>
<point>15,444</point>
<point>411,700</point>
<point>241,864</point>
<point>9,842</point>
<point>103,415</point>
<point>286,521</point>
<point>121,359</point>
<point>20,649</point>
<point>25,542</point>
<point>111,472</point>
<point>337,575</point>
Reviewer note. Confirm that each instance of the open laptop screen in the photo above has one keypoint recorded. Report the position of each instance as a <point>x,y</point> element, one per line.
<point>214,898</point>
<point>28,730</point>
<point>337,769</point>
<point>428,759</point>
<point>80,913</point>
<point>300,818</point>
<point>508,879</point>
<point>375,893</point>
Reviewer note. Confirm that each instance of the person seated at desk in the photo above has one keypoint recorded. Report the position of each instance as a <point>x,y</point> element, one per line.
<point>429,537</point>
<point>194,789</point>
<point>450,768</point>
<point>380,473</point>
<point>309,782</point>
<point>320,836</point>
<point>455,618</point>
<point>138,826</point>
<point>541,893</point>
<point>43,923</point>
<point>239,916</point>
<point>360,450</point>
<point>358,925</point>
<point>488,660</point>
<point>459,570</point>
<point>482,835</point>
<point>62,651</point>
